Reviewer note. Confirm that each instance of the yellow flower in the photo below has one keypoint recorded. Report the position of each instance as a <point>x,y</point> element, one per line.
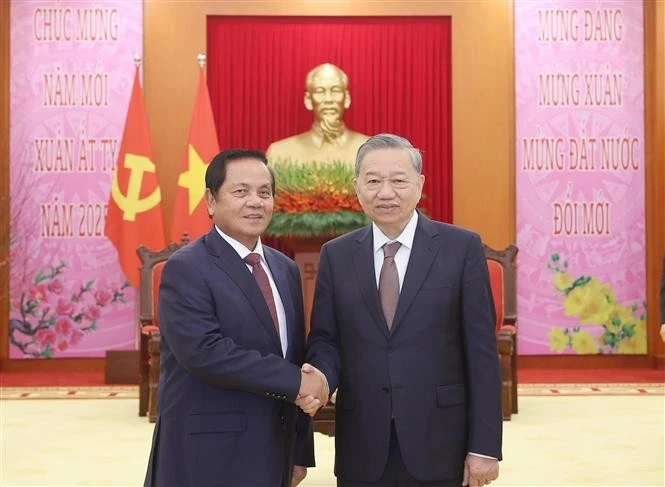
<point>641,327</point>
<point>608,292</point>
<point>619,315</point>
<point>636,344</point>
<point>583,343</point>
<point>558,340</point>
<point>562,281</point>
<point>589,303</point>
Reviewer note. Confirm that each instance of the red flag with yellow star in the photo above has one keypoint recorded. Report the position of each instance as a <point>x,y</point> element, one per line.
<point>135,213</point>
<point>190,213</point>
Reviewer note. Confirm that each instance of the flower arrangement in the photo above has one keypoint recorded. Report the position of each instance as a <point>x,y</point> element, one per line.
<point>314,199</point>
<point>46,320</point>
<point>594,304</point>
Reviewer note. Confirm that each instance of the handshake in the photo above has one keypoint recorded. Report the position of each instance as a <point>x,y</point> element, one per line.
<point>314,392</point>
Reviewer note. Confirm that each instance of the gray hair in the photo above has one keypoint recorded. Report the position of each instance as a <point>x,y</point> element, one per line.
<point>389,141</point>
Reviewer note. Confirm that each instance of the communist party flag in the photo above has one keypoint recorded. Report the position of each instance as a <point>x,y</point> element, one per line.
<point>135,215</point>
<point>190,213</point>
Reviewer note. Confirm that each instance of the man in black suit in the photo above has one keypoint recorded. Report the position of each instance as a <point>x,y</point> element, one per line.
<point>403,328</point>
<point>232,326</point>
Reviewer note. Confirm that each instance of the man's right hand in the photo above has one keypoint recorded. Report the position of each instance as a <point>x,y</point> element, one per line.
<point>313,392</point>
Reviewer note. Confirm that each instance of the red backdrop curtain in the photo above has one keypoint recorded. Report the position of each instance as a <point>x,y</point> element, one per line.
<point>399,81</point>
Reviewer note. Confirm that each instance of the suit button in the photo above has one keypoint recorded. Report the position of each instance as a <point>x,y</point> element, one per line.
<point>282,419</point>
<point>390,348</point>
<point>386,390</point>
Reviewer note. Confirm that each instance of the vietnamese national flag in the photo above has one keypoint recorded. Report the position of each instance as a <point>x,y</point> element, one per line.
<point>135,212</point>
<point>190,213</point>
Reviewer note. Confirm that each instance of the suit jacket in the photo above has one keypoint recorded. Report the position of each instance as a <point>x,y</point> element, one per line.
<point>436,373</point>
<point>226,412</point>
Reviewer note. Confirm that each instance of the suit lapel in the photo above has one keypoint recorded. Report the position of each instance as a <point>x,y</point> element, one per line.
<point>363,264</point>
<point>422,255</point>
<point>228,260</point>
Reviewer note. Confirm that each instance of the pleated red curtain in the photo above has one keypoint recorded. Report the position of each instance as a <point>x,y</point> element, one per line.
<point>399,72</point>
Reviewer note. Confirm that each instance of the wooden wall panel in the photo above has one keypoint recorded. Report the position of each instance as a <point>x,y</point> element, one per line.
<point>654,66</point>
<point>4,179</point>
<point>483,133</point>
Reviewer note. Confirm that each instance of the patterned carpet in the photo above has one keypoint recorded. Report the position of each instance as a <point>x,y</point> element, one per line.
<point>131,392</point>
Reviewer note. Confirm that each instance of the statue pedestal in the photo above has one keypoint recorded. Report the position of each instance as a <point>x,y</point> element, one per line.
<point>306,254</point>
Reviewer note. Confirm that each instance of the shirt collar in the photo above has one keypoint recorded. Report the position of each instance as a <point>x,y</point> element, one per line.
<point>240,248</point>
<point>405,238</point>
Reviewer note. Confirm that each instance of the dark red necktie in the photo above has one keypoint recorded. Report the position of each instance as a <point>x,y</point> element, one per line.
<point>262,280</point>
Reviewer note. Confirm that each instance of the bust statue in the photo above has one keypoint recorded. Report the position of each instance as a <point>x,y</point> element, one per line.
<point>328,140</point>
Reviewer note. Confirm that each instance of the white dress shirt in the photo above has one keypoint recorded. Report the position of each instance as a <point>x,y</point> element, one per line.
<point>403,253</point>
<point>279,306</point>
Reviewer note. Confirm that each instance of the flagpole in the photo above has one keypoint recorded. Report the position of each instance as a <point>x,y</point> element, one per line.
<point>137,317</point>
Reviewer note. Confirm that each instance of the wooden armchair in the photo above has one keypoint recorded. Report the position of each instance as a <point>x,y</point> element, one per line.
<point>152,264</point>
<point>501,266</point>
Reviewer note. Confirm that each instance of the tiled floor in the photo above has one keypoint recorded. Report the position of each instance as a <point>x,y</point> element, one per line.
<point>554,440</point>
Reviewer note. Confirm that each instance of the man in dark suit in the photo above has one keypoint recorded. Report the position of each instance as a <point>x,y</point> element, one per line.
<point>232,345</point>
<point>403,328</point>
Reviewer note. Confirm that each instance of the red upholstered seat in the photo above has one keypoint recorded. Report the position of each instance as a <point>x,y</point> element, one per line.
<point>152,265</point>
<point>501,267</point>
<point>496,282</point>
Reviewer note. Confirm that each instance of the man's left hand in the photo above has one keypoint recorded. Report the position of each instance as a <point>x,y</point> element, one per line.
<point>480,471</point>
<point>299,473</point>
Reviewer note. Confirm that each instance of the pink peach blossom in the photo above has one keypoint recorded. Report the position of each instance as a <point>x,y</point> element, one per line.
<point>63,345</point>
<point>76,337</point>
<point>91,313</point>
<point>45,337</point>
<point>64,307</point>
<point>38,293</point>
<point>103,297</point>
<point>63,327</point>
<point>55,286</point>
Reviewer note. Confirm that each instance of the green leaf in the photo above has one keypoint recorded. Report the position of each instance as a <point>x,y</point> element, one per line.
<point>303,177</point>
<point>315,224</point>
<point>580,281</point>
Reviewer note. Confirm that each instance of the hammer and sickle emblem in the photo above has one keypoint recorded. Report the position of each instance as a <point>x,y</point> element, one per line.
<point>131,204</point>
